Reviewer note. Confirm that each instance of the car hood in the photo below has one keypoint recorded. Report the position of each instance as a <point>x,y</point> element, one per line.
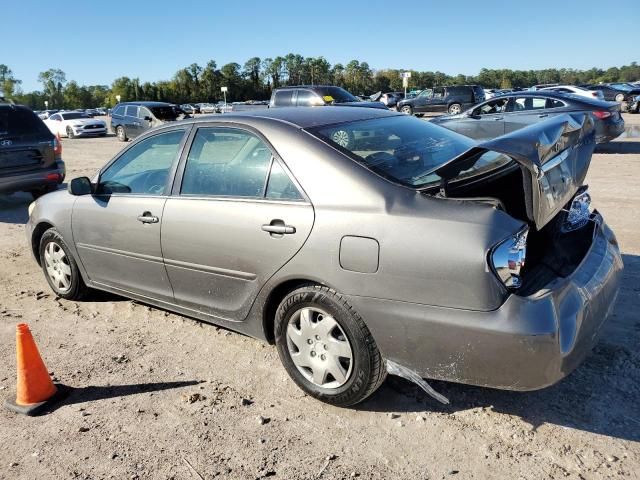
<point>554,155</point>
<point>362,104</point>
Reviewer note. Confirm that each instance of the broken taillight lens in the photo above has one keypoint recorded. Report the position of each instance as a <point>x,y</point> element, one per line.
<point>602,114</point>
<point>508,258</point>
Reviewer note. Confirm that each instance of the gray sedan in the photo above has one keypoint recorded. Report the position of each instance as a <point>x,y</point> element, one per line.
<point>357,240</point>
<point>508,113</point>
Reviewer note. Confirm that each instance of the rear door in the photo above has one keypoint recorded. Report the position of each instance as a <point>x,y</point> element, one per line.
<point>530,110</point>
<point>421,102</point>
<point>236,216</point>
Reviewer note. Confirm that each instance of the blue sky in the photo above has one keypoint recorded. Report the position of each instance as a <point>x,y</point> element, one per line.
<point>97,41</point>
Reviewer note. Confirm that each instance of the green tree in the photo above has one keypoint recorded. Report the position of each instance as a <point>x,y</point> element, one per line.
<point>9,85</point>
<point>53,81</point>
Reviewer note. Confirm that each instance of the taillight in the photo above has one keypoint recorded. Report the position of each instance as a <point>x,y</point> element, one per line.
<point>594,94</point>
<point>57,148</point>
<point>508,257</point>
<point>602,114</point>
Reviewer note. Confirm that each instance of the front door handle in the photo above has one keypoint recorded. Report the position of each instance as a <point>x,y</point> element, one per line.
<point>542,115</point>
<point>278,227</point>
<point>147,217</point>
<point>498,119</point>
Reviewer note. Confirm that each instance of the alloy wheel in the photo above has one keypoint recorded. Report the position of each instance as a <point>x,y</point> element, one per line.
<point>319,348</point>
<point>58,268</point>
<point>340,137</point>
<point>454,109</point>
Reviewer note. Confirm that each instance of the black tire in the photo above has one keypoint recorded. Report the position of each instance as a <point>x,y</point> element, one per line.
<point>121,133</point>
<point>406,109</point>
<point>454,109</point>
<point>368,370</point>
<point>77,288</point>
<point>70,134</point>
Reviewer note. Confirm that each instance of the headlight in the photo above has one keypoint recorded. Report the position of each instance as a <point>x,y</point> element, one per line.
<point>77,126</point>
<point>508,257</point>
<point>32,205</point>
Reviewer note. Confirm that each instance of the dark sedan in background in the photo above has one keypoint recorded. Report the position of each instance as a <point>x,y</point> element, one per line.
<point>507,113</point>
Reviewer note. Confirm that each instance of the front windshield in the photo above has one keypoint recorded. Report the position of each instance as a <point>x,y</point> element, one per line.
<point>74,115</point>
<point>404,149</point>
<point>164,113</point>
<point>335,94</point>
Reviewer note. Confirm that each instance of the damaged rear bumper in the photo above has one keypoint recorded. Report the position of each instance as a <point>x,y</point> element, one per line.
<point>526,344</point>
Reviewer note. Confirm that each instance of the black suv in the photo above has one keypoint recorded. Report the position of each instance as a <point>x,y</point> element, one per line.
<point>130,119</point>
<point>453,99</point>
<point>317,95</point>
<point>30,156</point>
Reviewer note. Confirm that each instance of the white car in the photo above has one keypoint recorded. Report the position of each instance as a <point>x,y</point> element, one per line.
<point>583,92</point>
<point>75,124</point>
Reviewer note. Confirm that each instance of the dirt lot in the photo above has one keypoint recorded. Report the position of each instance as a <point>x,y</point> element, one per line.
<point>157,395</point>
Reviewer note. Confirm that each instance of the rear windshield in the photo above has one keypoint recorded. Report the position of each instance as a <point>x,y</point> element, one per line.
<point>335,94</point>
<point>404,149</point>
<point>164,113</point>
<point>20,121</point>
<point>74,115</point>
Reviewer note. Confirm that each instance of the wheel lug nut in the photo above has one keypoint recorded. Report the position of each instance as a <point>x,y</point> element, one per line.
<point>323,357</point>
<point>317,337</point>
<point>313,354</point>
<point>309,341</point>
<point>325,346</point>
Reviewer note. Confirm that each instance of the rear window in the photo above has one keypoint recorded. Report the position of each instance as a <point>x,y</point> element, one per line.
<point>164,113</point>
<point>335,94</point>
<point>20,121</point>
<point>74,115</point>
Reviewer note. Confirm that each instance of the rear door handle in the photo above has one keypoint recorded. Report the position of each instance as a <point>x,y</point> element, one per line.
<point>146,217</point>
<point>498,119</point>
<point>279,228</point>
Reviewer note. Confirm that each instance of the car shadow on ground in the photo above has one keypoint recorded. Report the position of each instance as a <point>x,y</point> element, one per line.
<point>92,393</point>
<point>14,208</point>
<point>601,396</point>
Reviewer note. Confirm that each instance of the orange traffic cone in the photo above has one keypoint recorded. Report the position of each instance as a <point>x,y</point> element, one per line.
<point>35,389</point>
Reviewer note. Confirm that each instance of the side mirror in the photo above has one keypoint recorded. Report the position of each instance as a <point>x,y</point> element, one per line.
<point>148,118</point>
<point>80,186</point>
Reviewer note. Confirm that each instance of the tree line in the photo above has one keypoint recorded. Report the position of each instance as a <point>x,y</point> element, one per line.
<point>257,77</point>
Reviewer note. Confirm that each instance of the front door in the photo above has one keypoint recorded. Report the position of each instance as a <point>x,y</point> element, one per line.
<point>235,218</point>
<point>486,121</point>
<point>437,102</point>
<point>422,100</point>
<point>117,230</point>
<point>131,121</point>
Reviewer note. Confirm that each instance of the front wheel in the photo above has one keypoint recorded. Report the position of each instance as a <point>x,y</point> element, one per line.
<point>70,133</point>
<point>619,97</point>
<point>59,267</point>
<point>326,347</point>
<point>406,109</point>
<point>455,109</point>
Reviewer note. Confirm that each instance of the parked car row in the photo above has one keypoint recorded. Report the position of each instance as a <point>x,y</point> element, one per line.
<point>508,113</point>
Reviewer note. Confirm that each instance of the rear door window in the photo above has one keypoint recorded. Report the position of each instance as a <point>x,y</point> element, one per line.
<point>530,103</point>
<point>226,162</point>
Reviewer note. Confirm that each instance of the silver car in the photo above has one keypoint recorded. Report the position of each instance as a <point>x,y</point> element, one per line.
<point>354,239</point>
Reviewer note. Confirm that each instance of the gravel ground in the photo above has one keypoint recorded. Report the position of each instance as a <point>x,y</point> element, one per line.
<point>157,395</point>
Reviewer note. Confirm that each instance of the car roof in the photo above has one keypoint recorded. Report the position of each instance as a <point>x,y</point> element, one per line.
<point>147,104</point>
<point>560,96</point>
<point>304,117</point>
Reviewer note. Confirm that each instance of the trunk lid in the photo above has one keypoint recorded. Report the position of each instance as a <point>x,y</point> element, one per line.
<point>554,156</point>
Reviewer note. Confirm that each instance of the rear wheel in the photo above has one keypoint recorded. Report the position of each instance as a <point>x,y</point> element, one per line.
<point>59,267</point>
<point>619,97</point>
<point>406,109</point>
<point>121,134</point>
<point>455,109</point>
<point>326,347</point>
<point>70,133</point>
